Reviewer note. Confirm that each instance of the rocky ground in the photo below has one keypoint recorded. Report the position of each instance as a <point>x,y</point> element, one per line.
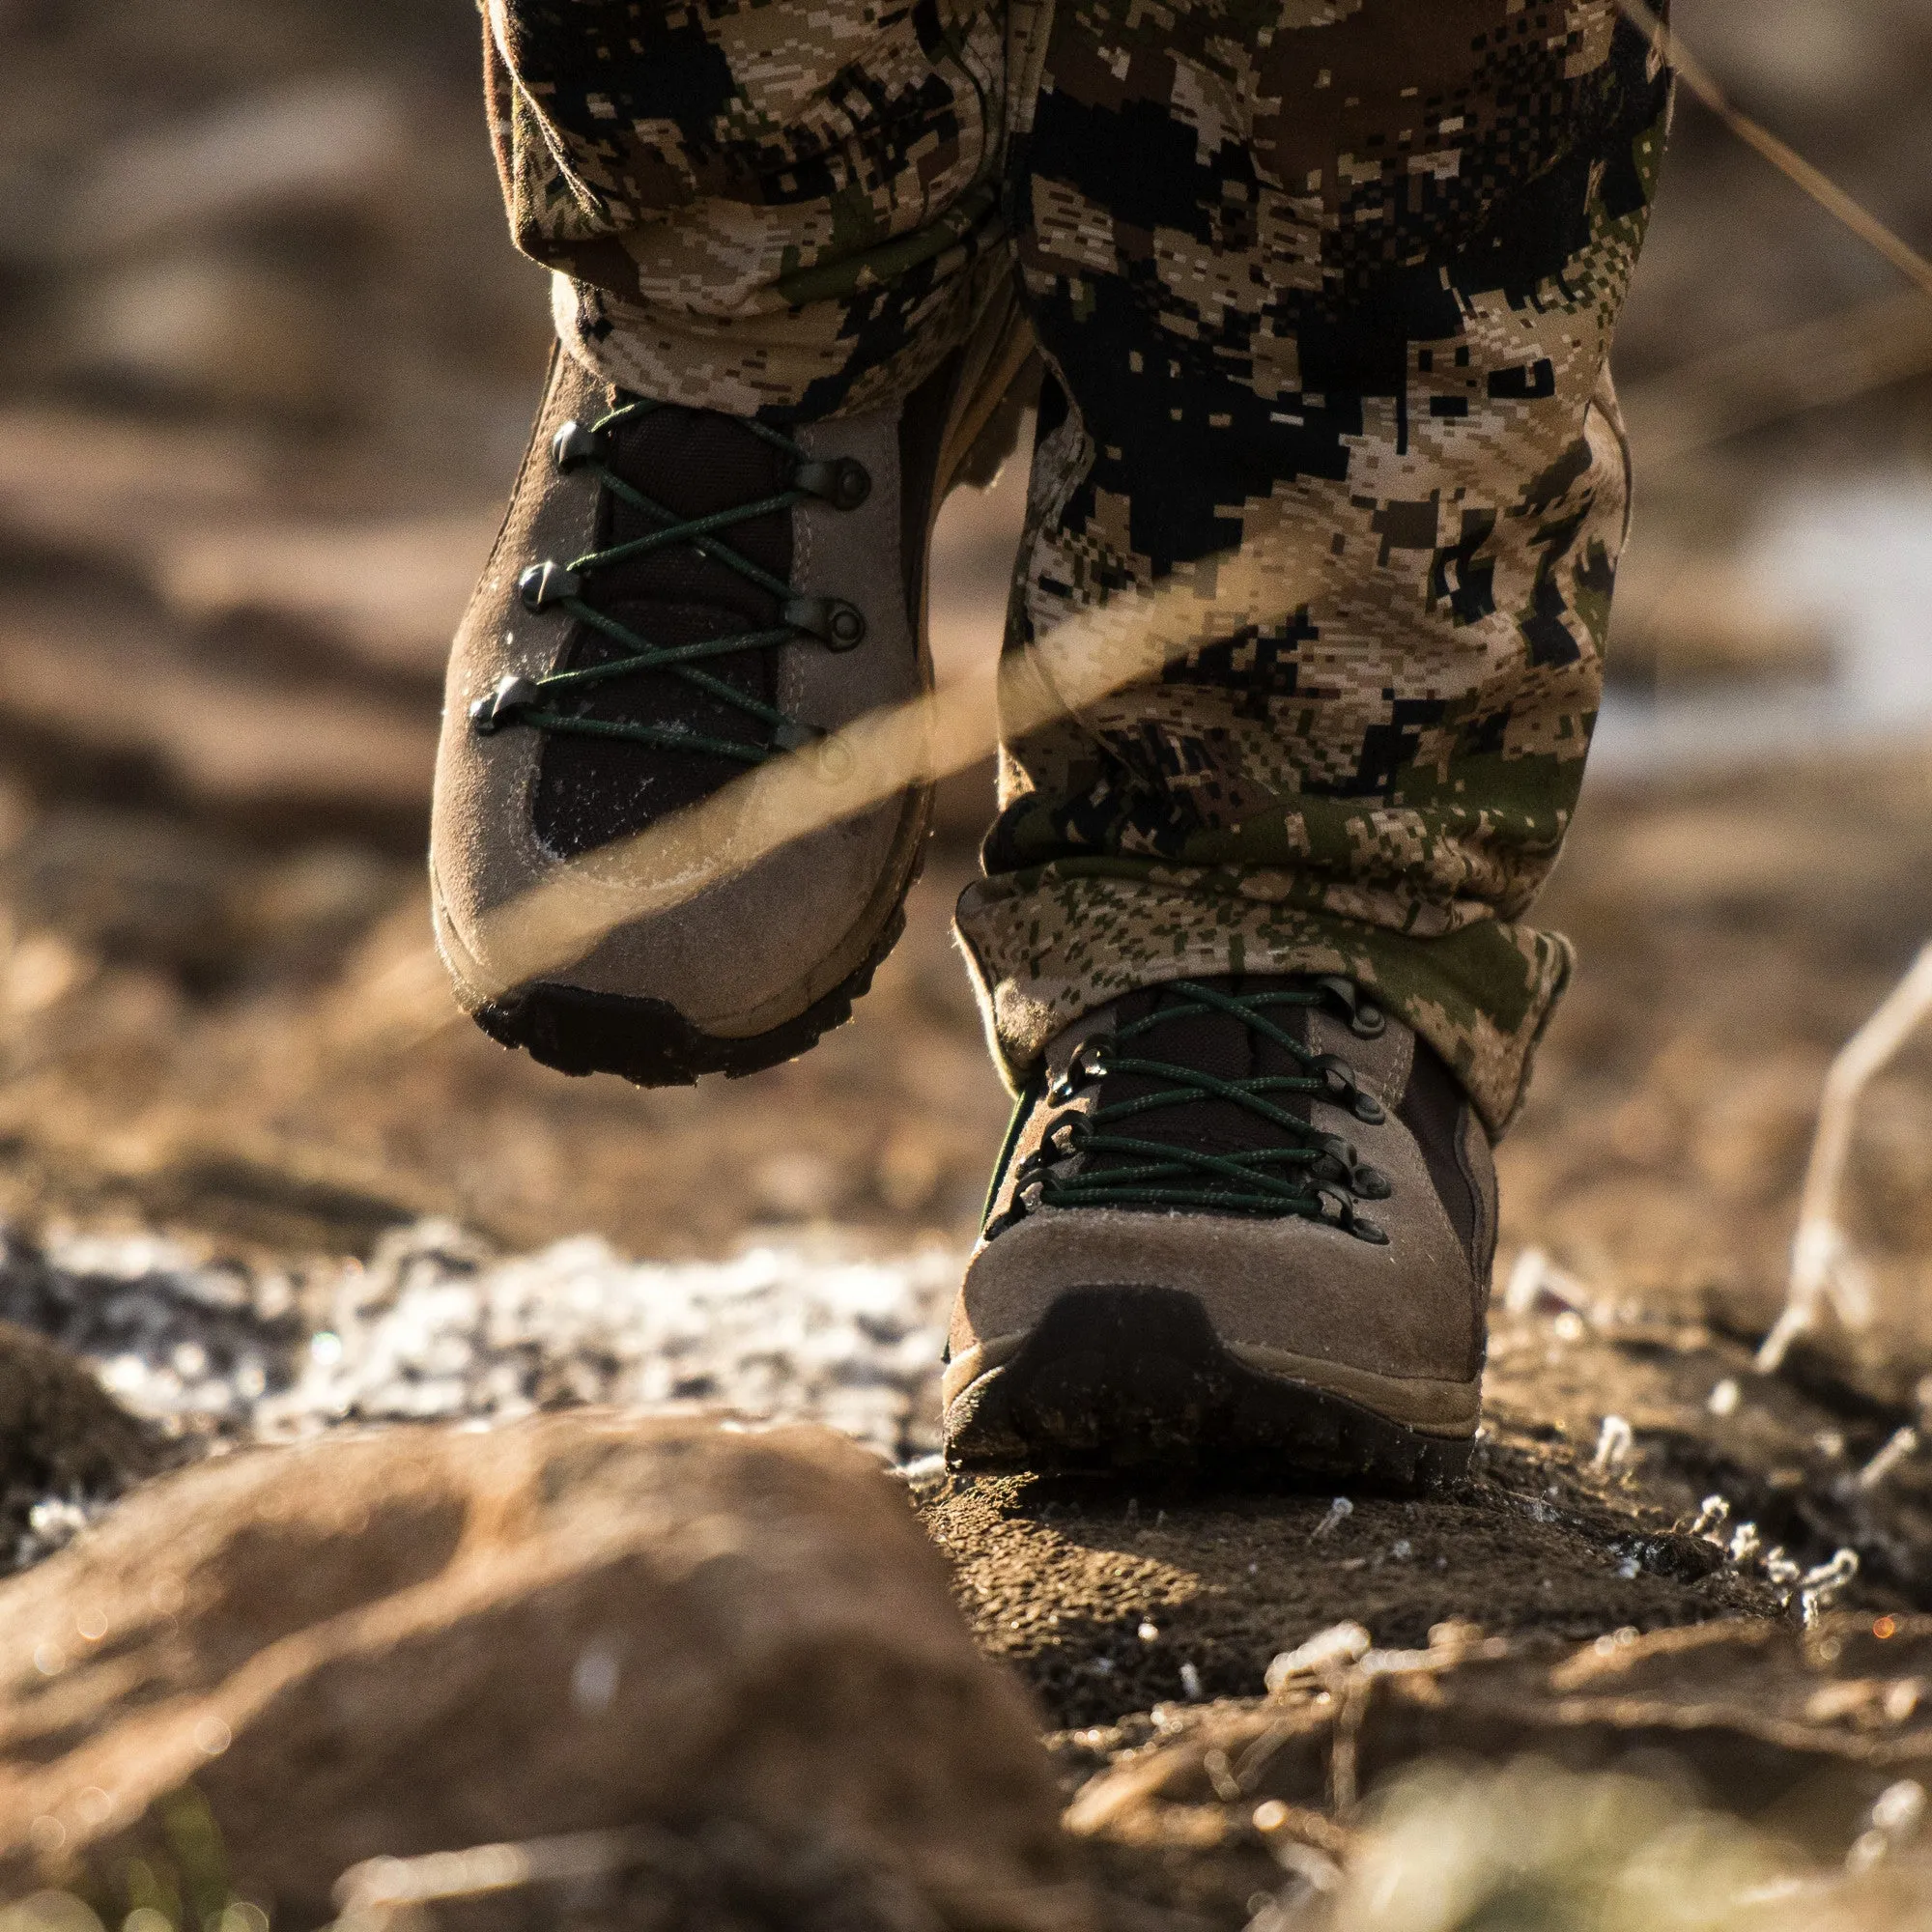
<point>263,1182</point>
<point>320,1255</point>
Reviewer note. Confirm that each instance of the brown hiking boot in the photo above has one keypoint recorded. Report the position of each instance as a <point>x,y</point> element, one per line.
<point>677,597</point>
<point>1245,1219</point>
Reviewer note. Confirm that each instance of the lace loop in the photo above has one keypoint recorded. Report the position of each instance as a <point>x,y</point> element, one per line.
<point>549,587</point>
<point>1087,1160</point>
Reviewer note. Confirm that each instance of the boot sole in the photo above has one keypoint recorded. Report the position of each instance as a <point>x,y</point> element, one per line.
<point>649,1042</point>
<point>1122,1378</point>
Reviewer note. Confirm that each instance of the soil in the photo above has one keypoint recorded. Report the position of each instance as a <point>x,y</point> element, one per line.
<point>1656,1167</point>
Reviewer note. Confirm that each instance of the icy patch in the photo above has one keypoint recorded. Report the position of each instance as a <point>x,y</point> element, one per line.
<point>436,1328</point>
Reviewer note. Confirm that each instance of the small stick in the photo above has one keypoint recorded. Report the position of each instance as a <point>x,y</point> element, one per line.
<point>1786,160</point>
<point>1823,1270</point>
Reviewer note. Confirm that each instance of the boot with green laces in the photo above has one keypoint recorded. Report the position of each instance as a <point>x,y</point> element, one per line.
<point>1248,1219</point>
<point>678,597</point>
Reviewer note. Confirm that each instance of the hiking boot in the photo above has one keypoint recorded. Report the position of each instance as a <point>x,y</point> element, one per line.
<point>678,596</point>
<point>1244,1217</point>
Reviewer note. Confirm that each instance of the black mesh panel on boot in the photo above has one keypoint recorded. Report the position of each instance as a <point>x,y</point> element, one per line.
<point>1216,1044</point>
<point>591,791</point>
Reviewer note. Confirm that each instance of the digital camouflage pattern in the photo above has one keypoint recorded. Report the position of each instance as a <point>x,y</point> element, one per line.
<point>754,206</point>
<point>1326,290</point>
<point>1332,287</point>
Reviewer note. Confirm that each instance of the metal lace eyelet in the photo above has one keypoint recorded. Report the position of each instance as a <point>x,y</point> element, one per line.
<point>492,713</point>
<point>834,762</point>
<point>1370,1183</point>
<point>1083,1068</point>
<point>841,481</point>
<point>1340,1088</point>
<point>1366,1019</point>
<point>1328,1169</point>
<point>573,445</point>
<point>834,622</point>
<point>545,584</point>
<point>829,756</point>
<point>1034,1172</point>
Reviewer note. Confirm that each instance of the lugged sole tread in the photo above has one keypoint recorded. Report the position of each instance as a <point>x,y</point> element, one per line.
<point>1120,1377</point>
<point>649,1042</point>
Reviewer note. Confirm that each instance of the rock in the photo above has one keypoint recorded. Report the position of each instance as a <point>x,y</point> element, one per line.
<point>421,1641</point>
<point>63,1441</point>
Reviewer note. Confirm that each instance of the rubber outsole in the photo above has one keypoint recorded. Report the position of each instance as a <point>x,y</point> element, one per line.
<point>1123,1378</point>
<point>649,1042</point>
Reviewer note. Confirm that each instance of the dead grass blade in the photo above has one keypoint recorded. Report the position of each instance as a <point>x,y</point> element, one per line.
<point>1127,641</point>
<point>1808,367</point>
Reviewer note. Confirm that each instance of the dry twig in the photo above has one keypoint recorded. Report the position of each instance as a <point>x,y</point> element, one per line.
<point>1825,1271</point>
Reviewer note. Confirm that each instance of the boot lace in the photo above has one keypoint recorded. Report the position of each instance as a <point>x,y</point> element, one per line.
<point>1094,1160</point>
<point>545,704</point>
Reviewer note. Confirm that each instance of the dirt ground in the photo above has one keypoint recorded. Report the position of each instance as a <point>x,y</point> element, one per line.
<point>228,561</point>
<point>222,1066</point>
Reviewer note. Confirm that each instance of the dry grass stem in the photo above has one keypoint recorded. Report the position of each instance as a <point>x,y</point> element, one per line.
<point>1080,663</point>
<point>1825,1271</point>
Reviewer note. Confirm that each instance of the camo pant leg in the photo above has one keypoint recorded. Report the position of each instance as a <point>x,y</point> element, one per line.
<point>1326,290</point>
<point>754,205</point>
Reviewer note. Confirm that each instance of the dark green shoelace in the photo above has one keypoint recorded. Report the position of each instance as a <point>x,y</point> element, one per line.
<point>1310,1172</point>
<point>561,588</point>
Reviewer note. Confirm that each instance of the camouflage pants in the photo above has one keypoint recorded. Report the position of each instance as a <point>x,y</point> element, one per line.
<point>1325,289</point>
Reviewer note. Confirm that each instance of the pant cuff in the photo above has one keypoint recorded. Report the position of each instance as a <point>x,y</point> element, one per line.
<point>830,354</point>
<point>1047,945</point>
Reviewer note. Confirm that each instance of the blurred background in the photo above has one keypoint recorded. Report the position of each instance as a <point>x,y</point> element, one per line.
<point>267,363</point>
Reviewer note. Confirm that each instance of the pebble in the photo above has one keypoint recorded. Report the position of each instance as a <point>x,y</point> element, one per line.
<point>435,1327</point>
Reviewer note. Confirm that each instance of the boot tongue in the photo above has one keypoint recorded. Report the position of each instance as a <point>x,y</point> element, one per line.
<point>693,461</point>
<point>1207,1042</point>
<point>696,462</point>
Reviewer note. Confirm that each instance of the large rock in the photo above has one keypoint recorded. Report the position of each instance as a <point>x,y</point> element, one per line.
<point>424,1640</point>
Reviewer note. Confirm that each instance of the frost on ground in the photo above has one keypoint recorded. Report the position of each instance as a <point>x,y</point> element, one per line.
<point>435,1327</point>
